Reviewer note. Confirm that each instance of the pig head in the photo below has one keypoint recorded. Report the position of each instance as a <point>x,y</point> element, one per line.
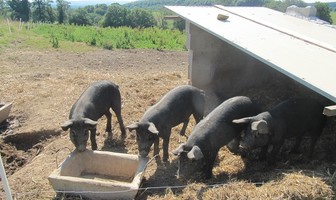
<point>79,131</point>
<point>295,117</point>
<point>174,108</point>
<point>146,135</point>
<point>94,102</point>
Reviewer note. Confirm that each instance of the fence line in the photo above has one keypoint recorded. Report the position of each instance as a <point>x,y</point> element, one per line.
<point>123,191</point>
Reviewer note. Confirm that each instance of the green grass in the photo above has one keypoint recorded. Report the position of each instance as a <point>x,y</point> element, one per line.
<point>333,17</point>
<point>110,38</point>
<point>14,35</point>
<point>84,38</point>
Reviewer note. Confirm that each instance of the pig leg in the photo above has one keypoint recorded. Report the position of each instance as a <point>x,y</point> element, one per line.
<point>117,111</point>
<point>93,139</point>
<point>263,153</point>
<point>297,144</point>
<point>209,163</point>
<point>109,125</point>
<point>184,128</point>
<point>156,146</point>
<point>274,152</point>
<point>165,144</point>
<point>198,117</point>
<point>312,145</point>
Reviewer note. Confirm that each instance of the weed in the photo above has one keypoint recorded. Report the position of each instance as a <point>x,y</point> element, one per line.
<point>54,41</point>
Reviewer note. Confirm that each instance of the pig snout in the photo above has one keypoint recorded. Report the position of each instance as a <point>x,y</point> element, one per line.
<point>244,146</point>
<point>81,147</point>
<point>143,153</point>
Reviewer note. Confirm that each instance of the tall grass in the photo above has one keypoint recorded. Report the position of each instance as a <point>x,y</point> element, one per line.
<point>82,38</point>
<point>333,17</point>
<point>110,38</point>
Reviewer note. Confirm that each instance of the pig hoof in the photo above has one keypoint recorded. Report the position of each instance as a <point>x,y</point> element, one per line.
<point>109,136</point>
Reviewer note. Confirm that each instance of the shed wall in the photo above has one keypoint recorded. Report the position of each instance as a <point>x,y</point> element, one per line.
<point>224,71</point>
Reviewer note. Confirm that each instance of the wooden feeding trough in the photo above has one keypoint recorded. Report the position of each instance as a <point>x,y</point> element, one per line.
<point>99,175</point>
<point>4,111</point>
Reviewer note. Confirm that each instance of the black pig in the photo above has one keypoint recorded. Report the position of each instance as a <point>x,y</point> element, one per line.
<point>174,108</point>
<point>94,102</point>
<point>295,117</point>
<point>217,130</point>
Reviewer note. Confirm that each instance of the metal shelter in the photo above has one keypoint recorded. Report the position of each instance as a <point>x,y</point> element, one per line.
<point>300,49</point>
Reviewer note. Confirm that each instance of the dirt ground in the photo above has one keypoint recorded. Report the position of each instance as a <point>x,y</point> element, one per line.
<point>44,84</point>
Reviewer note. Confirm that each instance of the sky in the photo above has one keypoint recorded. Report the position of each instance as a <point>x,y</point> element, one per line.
<point>322,1</point>
<point>121,1</point>
<point>127,1</point>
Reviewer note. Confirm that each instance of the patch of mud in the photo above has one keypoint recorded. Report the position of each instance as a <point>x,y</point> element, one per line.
<point>19,149</point>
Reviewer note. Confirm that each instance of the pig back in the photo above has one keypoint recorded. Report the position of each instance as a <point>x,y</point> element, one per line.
<point>217,128</point>
<point>299,115</point>
<point>96,100</point>
<point>176,106</point>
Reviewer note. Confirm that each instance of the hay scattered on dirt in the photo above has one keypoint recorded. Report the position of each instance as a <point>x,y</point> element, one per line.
<point>44,85</point>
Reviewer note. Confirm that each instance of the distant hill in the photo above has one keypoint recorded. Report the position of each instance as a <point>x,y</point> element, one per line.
<point>157,4</point>
<point>332,5</point>
<point>83,3</point>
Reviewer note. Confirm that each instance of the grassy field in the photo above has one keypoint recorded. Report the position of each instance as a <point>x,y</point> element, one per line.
<point>65,36</point>
<point>110,38</point>
<point>333,17</point>
<point>44,81</point>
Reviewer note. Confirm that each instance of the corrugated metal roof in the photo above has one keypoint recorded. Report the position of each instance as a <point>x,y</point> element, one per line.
<point>300,49</point>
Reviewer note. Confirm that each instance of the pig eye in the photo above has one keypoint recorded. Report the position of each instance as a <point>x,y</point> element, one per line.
<point>151,136</point>
<point>73,133</point>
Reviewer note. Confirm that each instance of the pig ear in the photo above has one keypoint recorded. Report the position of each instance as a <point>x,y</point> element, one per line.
<point>90,123</point>
<point>242,120</point>
<point>179,150</point>
<point>195,153</point>
<point>133,126</point>
<point>66,125</point>
<point>152,128</point>
<point>261,126</point>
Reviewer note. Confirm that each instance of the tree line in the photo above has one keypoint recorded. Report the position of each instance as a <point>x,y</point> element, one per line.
<point>113,15</point>
<point>323,9</point>
<point>135,14</point>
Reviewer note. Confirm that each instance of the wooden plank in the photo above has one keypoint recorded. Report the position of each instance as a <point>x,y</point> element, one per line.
<point>330,110</point>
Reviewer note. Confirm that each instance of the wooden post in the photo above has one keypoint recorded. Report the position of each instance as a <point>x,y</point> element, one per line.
<point>5,181</point>
<point>9,28</point>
